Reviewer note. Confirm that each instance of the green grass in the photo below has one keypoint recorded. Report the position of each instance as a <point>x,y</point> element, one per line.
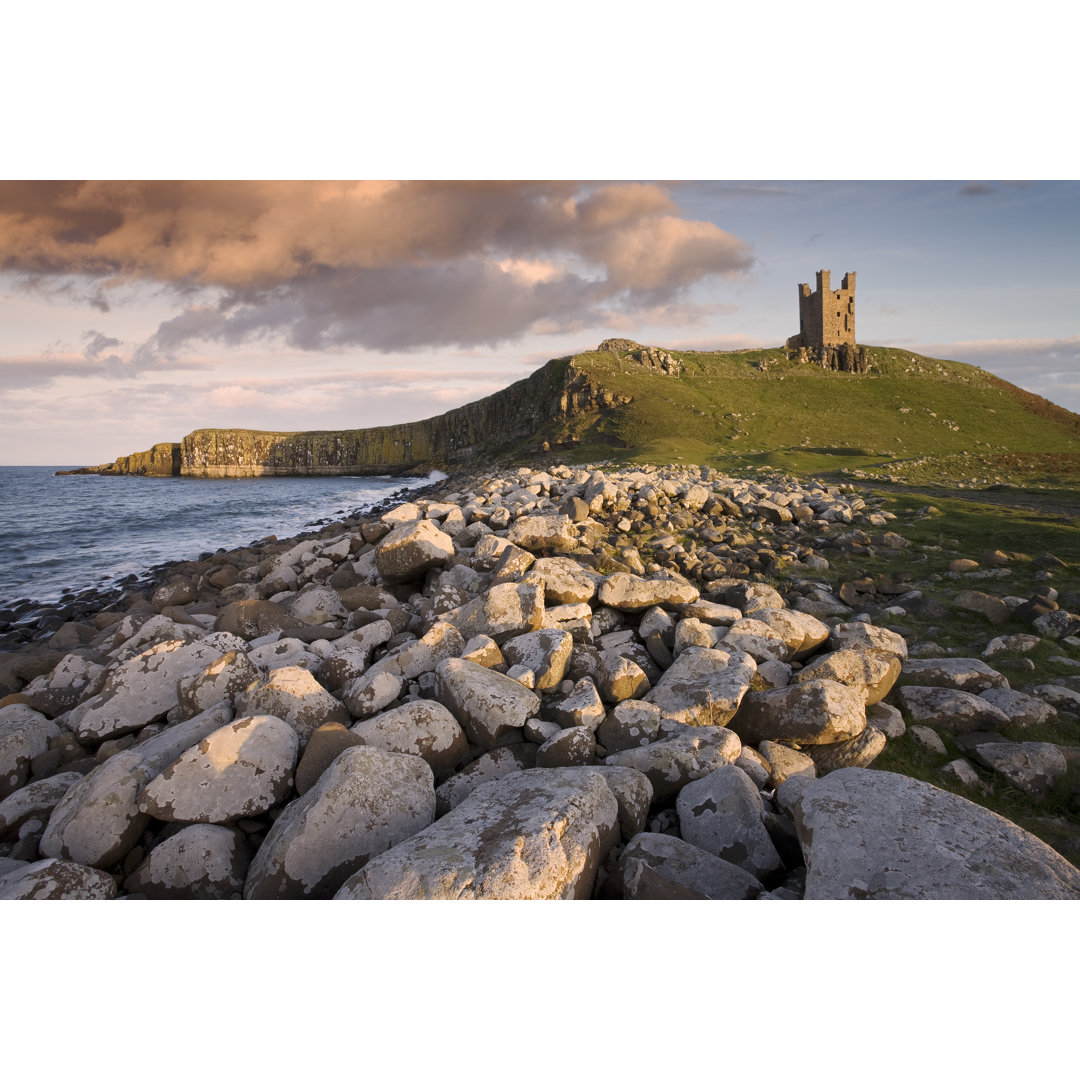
<point>923,420</point>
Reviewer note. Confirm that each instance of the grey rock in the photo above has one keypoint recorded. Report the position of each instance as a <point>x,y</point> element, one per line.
<point>424,728</point>
<point>34,801</point>
<point>784,762</point>
<point>241,770</point>
<point>721,814</point>
<point>875,835</point>
<point>368,800</point>
<point>544,652</point>
<point>24,733</point>
<point>659,867</point>
<point>703,686</point>
<point>1022,710</point>
<point>503,612</point>
<point>98,820</point>
<point>887,719</point>
<point>292,694</point>
<point>956,673</point>
<point>540,835</point>
<point>1033,767</point>
<point>951,710</point>
<point>411,549</point>
<point>201,862</point>
<point>495,764</point>
<point>820,711</point>
<point>629,724</point>
<point>57,879</point>
<point>627,592</point>
<point>859,752</point>
<point>486,704</point>
<point>570,746</point>
<point>927,739</point>
<point>673,762</point>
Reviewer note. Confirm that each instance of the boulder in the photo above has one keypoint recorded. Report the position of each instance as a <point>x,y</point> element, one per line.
<point>239,771</point>
<point>139,690</point>
<point>293,695</point>
<point>758,639</point>
<point>368,800</point>
<point>627,592</point>
<point>24,733</point>
<point>57,879</point>
<point>673,762</point>
<point>503,612</point>
<point>221,680</point>
<point>569,746</point>
<point>784,763</point>
<point>201,862</point>
<point>619,678</point>
<point>1033,767</point>
<point>98,820</point>
<point>424,728</point>
<point>991,608</point>
<point>544,652</point>
<point>859,752</point>
<point>721,814</point>
<point>565,581</point>
<point>411,549</point>
<point>703,686</point>
<point>35,801</point>
<point>582,707</point>
<point>950,710</point>
<point>956,673</point>
<point>250,619</point>
<point>629,724</point>
<point>1021,709</point>
<point>488,705</point>
<point>873,674</point>
<point>659,867</point>
<point>540,835</point>
<point>821,711</point>
<point>876,835</point>
<point>371,693</point>
<point>326,742</point>
<point>495,764</point>
<point>534,532</point>
<point>862,635</point>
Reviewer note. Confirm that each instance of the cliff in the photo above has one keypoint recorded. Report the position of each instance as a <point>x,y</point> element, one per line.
<point>476,431</point>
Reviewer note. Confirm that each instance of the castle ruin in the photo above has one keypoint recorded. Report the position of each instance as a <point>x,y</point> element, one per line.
<point>827,326</point>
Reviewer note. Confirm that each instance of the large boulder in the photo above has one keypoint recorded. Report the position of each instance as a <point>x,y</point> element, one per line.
<point>424,728</point>
<point>721,813</point>
<point>546,653</point>
<point>24,733</point>
<point>626,592</point>
<point>368,800</point>
<point>495,764</point>
<point>951,710</point>
<point>659,867</point>
<point>673,762</point>
<point>565,581</point>
<point>535,532</point>
<point>139,690</point>
<point>201,862</point>
<point>539,835</point>
<point>503,612</point>
<point>872,673</point>
<point>411,549</point>
<point>703,686</point>
<point>488,705</point>
<point>57,879</point>
<point>98,820</point>
<point>221,680</point>
<point>239,771</point>
<point>956,673</point>
<point>35,801</point>
<point>883,836</point>
<point>1033,767</point>
<point>820,711</point>
<point>292,694</point>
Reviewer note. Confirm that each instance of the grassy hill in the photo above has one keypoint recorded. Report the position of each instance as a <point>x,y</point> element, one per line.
<point>918,419</point>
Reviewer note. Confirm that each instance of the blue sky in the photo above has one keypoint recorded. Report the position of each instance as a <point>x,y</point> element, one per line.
<point>416,298</point>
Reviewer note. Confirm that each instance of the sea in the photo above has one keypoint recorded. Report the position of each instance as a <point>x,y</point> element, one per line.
<point>73,533</point>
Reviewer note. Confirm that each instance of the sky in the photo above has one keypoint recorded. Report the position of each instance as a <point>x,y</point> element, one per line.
<point>134,312</point>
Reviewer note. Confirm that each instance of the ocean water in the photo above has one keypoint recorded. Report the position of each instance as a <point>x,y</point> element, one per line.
<point>80,532</point>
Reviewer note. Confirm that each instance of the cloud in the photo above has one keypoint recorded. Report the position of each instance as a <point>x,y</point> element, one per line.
<point>976,189</point>
<point>1046,366</point>
<point>387,266</point>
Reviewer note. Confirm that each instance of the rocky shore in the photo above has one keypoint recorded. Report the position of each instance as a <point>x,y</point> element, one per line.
<point>566,684</point>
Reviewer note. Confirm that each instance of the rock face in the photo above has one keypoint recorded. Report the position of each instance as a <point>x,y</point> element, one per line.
<point>882,836</point>
<point>460,436</point>
<point>534,835</point>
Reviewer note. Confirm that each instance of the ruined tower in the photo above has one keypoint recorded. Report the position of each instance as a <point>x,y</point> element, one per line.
<point>827,326</point>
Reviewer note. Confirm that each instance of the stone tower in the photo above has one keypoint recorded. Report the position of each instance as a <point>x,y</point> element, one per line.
<point>827,326</point>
